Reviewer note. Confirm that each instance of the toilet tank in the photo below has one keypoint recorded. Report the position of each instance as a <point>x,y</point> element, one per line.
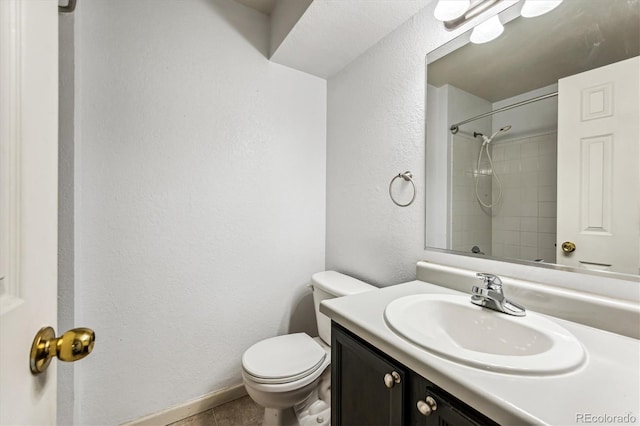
<point>328,285</point>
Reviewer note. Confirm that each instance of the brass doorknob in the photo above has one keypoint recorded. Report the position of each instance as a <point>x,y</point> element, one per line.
<point>71,346</point>
<point>568,247</point>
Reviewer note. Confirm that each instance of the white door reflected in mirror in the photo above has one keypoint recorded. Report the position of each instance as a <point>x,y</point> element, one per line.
<point>599,180</point>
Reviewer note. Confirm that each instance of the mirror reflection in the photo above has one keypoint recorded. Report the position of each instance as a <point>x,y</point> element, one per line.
<point>535,136</point>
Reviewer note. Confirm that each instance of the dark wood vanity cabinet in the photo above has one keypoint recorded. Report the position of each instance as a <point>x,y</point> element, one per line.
<point>359,394</point>
<point>369,388</point>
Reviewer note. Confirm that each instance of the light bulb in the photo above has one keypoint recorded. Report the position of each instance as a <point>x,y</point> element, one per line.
<point>533,8</point>
<point>447,10</point>
<point>487,31</point>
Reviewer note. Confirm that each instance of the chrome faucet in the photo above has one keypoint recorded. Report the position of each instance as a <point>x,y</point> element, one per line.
<point>492,297</point>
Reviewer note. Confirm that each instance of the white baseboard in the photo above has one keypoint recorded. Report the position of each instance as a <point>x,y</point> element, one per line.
<point>179,412</point>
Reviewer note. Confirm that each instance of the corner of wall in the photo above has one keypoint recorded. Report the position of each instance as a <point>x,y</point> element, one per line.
<point>66,264</point>
<point>283,18</point>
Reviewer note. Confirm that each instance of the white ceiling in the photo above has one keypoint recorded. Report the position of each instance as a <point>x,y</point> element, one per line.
<point>332,33</point>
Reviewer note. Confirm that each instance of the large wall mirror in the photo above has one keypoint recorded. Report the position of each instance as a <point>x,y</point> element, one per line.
<point>535,136</point>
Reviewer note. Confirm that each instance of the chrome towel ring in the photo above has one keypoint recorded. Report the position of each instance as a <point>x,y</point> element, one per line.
<point>408,177</point>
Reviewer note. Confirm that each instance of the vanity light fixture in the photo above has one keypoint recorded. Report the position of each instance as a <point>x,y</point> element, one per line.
<point>487,31</point>
<point>456,12</point>
<point>533,8</point>
<point>447,10</point>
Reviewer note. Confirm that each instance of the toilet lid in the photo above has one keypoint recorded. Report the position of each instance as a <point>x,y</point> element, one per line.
<point>283,359</point>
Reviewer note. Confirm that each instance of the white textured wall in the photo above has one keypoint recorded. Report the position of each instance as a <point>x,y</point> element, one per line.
<point>200,199</point>
<point>375,129</point>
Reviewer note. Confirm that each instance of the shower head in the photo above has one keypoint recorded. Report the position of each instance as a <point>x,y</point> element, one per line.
<point>487,140</point>
<point>500,130</point>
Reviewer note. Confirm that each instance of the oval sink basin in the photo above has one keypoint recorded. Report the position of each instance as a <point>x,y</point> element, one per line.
<point>454,328</point>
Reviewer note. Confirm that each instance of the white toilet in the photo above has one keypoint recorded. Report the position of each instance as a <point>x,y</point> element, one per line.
<point>290,375</point>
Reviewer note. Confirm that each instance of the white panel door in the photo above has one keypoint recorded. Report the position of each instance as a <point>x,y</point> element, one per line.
<point>598,168</point>
<point>28,204</point>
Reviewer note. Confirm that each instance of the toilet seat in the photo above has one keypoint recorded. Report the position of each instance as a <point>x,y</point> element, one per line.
<point>290,376</point>
<point>285,362</point>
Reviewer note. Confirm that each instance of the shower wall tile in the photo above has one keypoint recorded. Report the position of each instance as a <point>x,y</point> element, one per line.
<point>546,240</point>
<point>547,193</point>
<point>512,251</point>
<point>529,253</point>
<point>547,209</point>
<point>513,166</point>
<point>529,194</point>
<point>512,237</point>
<point>547,179</point>
<point>529,179</point>
<point>547,224</point>
<point>529,164</point>
<point>497,153</point>
<point>529,150</point>
<point>547,254</point>
<point>529,224</point>
<point>529,239</point>
<point>522,224</point>
<point>527,169</point>
<point>547,162</point>
<point>511,223</point>
<point>512,152</point>
<point>529,208</point>
<point>514,179</point>
<point>548,146</point>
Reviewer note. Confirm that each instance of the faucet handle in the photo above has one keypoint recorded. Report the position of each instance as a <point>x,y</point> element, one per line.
<point>490,281</point>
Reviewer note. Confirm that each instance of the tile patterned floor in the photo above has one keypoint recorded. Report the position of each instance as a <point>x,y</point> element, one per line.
<point>240,412</point>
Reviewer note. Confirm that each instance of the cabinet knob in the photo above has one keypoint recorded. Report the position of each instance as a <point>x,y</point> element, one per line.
<point>427,406</point>
<point>390,379</point>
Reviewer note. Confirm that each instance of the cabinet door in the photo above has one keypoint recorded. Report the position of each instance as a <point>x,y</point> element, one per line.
<point>447,410</point>
<point>359,393</point>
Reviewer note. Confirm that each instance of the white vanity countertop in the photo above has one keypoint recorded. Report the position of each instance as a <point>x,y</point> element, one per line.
<point>607,384</point>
